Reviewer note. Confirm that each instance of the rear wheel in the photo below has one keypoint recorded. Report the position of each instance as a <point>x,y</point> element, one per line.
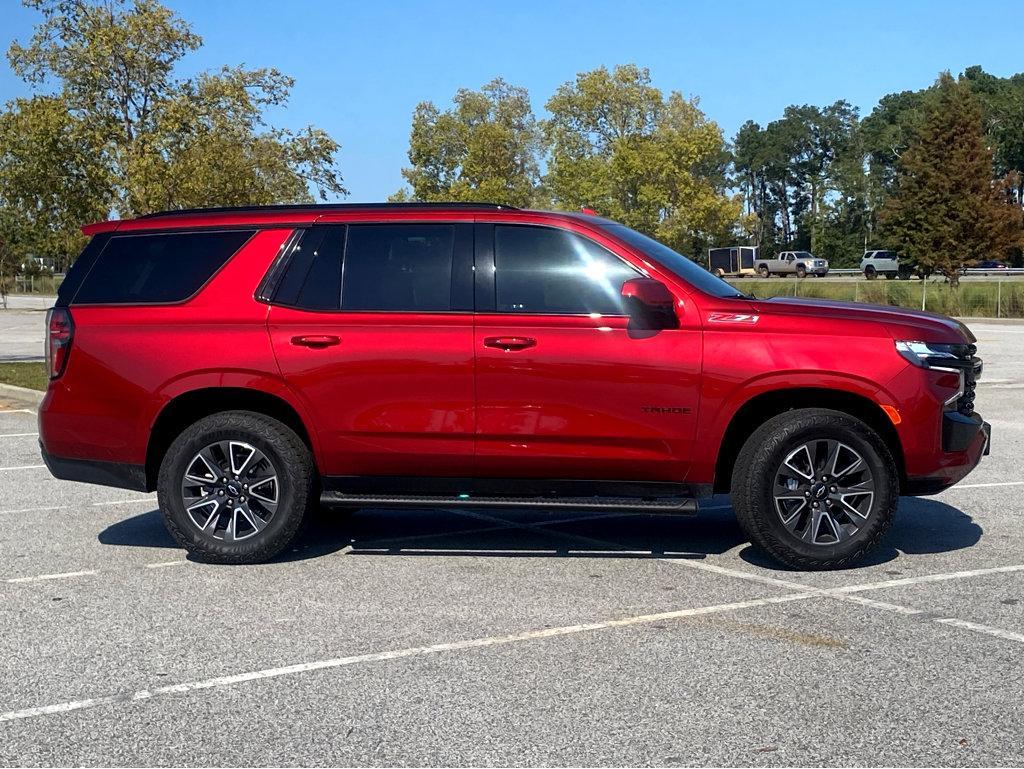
<point>236,487</point>
<point>870,273</point>
<point>763,271</point>
<point>815,488</point>
<point>801,271</point>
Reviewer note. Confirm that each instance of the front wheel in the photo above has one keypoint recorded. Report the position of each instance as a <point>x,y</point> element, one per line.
<point>815,488</point>
<point>801,271</point>
<point>236,487</point>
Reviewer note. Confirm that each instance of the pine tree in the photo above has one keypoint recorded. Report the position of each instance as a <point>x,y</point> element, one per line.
<point>946,211</point>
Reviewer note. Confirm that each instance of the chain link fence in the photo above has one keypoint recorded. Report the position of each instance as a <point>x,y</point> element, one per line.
<point>973,298</point>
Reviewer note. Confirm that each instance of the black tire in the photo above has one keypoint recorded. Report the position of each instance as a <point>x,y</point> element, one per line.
<point>295,491</point>
<point>756,470</point>
<point>801,271</point>
<point>763,271</point>
<point>870,273</point>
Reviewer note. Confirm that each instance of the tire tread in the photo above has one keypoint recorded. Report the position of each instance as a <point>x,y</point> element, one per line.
<point>752,509</point>
<point>300,470</point>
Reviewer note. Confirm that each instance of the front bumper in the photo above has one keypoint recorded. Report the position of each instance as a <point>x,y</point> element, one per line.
<point>959,431</point>
<point>965,440</point>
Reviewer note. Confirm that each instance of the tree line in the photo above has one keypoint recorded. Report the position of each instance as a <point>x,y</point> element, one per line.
<point>937,174</point>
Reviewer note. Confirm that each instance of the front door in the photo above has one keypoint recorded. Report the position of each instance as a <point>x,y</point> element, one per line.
<point>372,328</point>
<point>565,388</point>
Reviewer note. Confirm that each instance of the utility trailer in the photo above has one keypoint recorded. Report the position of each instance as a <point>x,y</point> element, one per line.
<point>733,260</point>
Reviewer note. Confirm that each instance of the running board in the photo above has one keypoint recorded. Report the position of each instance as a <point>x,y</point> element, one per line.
<point>653,505</point>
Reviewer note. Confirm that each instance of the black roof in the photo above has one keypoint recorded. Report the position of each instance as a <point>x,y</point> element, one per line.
<point>315,207</point>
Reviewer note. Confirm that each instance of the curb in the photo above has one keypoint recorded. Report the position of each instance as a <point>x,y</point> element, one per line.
<point>21,396</point>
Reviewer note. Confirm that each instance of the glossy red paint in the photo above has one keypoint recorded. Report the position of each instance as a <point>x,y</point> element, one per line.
<point>395,393</point>
<point>488,394</point>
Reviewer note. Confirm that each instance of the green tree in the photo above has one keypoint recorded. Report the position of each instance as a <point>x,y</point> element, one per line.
<point>140,137</point>
<point>50,182</point>
<point>656,164</point>
<point>485,148</point>
<point>945,210</point>
<point>792,170</point>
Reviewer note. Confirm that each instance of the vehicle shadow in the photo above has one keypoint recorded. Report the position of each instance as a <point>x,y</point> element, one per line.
<point>921,526</point>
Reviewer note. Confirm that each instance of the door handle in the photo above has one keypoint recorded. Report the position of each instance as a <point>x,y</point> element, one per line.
<point>509,343</point>
<point>316,341</point>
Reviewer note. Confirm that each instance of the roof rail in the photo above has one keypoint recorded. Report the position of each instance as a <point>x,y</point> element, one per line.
<point>321,207</point>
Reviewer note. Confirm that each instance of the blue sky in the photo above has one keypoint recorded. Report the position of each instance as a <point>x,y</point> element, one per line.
<point>360,68</point>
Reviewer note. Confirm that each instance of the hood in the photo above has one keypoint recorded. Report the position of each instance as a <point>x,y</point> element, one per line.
<point>899,322</point>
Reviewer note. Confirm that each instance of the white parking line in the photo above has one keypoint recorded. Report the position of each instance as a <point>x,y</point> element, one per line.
<point>984,485</point>
<point>165,564</point>
<point>805,593</point>
<point>416,651</point>
<point>42,577</point>
<point>904,581</point>
<point>18,411</point>
<point>22,467</point>
<point>71,507</point>
<point>122,501</point>
<point>1006,635</point>
<point>18,435</point>
<point>841,593</point>
<point>30,510</point>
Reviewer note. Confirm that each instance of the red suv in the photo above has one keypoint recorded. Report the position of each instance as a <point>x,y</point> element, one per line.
<point>250,363</point>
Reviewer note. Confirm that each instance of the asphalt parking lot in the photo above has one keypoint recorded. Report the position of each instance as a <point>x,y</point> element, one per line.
<point>22,330</point>
<point>457,637</point>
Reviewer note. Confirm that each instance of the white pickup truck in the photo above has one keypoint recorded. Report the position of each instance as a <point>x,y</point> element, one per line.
<point>799,263</point>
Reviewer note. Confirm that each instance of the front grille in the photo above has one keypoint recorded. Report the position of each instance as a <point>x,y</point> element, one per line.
<point>972,371</point>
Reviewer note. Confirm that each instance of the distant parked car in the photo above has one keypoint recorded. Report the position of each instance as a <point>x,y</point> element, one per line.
<point>887,263</point>
<point>991,264</point>
<point>799,263</point>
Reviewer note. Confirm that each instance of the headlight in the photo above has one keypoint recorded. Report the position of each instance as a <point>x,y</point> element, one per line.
<point>933,354</point>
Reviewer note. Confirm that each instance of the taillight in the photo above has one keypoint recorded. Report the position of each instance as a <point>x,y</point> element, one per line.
<point>60,330</point>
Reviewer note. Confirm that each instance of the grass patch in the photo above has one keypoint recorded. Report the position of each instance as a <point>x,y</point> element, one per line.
<point>30,374</point>
<point>980,299</point>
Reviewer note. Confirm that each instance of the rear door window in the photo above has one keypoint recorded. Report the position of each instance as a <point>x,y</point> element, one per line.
<point>157,268</point>
<point>398,267</point>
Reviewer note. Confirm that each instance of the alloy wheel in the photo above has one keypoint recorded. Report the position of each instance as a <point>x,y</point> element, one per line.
<point>230,490</point>
<point>823,492</point>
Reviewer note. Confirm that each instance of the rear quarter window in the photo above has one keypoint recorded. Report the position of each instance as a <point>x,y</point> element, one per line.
<point>157,268</point>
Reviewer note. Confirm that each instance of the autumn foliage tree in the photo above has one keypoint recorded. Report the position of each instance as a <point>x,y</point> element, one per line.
<point>486,147</point>
<point>112,128</point>
<point>656,164</point>
<point>946,211</point>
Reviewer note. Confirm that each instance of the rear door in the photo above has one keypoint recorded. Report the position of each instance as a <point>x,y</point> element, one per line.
<point>565,389</point>
<point>373,329</point>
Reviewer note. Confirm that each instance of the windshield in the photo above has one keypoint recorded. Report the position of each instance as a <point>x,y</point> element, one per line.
<point>804,255</point>
<point>682,266</point>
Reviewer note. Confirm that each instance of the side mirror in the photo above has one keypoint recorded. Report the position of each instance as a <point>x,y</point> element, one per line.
<point>650,304</point>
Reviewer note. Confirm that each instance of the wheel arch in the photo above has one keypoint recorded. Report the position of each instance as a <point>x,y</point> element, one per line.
<point>192,405</point>
<point>762,407</point>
